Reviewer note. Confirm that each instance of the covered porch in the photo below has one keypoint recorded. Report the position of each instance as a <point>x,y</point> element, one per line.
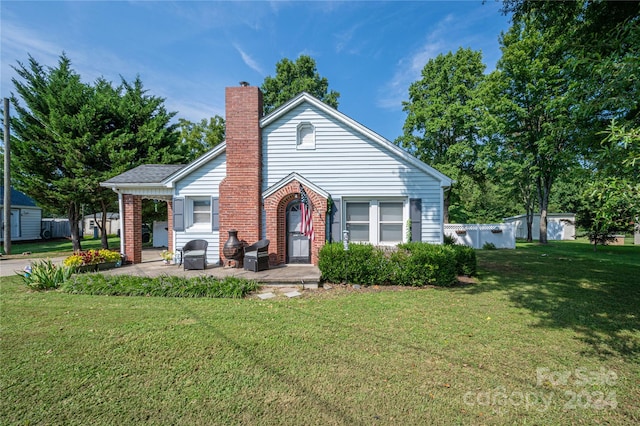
<point>149,181</point>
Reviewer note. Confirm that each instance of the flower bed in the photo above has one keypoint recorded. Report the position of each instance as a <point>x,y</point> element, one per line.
<point>92,260</point>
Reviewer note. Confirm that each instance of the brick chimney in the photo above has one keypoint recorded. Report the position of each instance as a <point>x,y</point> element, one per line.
<point>240,191</point>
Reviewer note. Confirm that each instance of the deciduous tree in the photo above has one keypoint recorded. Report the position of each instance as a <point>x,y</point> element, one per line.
<point>443,118</point>
<point>292,78</point>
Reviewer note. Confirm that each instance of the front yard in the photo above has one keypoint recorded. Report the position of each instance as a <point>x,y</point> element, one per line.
<point>547,335</point>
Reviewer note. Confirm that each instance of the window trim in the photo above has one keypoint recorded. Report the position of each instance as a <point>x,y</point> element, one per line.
<point>401,222</point>
<point>192,225</point>
<point>300,143</point>
<point>374,217</point>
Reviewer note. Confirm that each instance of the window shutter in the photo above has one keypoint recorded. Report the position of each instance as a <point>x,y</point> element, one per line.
<point>215,214</point>
<point>178,214</point>
<point>415,214</point>
<point>336,220</point>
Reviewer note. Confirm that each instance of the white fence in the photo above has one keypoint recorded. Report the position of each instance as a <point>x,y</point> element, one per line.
<point>501,235</point>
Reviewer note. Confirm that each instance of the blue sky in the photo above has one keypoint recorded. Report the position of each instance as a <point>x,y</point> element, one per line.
<point>187,52</point>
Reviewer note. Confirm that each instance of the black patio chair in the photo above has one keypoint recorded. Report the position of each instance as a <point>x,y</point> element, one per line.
<point>256,256</point>
<point>194,254</point>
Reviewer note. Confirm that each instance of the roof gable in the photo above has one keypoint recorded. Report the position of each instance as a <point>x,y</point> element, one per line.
<point>195,164</point>
<point>291,177</point>
<point>305,97</point>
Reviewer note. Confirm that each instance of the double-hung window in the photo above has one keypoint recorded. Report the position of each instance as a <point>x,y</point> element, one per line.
<point>390,222</point>
<point>376,221</point>
<point>201,211</point>
<point>358,221</point>
<point>197,214</point>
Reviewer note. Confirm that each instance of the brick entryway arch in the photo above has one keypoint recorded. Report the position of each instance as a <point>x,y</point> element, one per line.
<point>275,206</point>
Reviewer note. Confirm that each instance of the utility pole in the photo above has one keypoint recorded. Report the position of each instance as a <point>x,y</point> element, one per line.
<point>7,180</point>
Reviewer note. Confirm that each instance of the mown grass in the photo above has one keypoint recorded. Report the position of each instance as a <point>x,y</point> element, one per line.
<point>58,247</point>
<point>376,356</point>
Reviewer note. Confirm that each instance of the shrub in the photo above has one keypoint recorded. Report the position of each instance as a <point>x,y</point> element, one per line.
<point>449,240</point>
<point>489,246</point>
<point>419,264</point>
<point>413,264</point>
<point>466,261</point>
<point>164,286</point>
<point>361,264</point>
<point>45,275</point>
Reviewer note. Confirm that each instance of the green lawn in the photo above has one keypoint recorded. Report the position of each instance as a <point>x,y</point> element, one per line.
<point>58,247</point>
<point>548,335</point>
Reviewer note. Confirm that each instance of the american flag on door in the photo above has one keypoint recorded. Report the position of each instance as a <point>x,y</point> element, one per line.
<point>306,210</point>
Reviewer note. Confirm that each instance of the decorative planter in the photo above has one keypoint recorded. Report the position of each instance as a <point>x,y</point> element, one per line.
<point>461,232</point>
<point>86,268</point>
<point>496,231</point>
<point>106,265</point>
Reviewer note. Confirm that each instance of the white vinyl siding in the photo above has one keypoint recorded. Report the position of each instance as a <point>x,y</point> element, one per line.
<point>200,185</point>
<point>26,221</point>
<point>345,163</point>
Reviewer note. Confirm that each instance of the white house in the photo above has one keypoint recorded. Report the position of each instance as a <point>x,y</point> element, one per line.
<point>25,217</point>
<point>354,179</point>
<point>560,226</point>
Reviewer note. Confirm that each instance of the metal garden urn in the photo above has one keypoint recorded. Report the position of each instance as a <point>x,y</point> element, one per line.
<point>233,248</point>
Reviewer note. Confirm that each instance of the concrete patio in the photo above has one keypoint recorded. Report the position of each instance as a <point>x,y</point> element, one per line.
<point>303,276</point>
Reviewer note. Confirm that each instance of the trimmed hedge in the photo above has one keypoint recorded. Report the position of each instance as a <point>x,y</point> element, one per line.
<point>164,286</point>
<point>412,264</point>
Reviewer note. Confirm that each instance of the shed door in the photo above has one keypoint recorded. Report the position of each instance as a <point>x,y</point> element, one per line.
<point>298,246</point>
<point>15,222</point>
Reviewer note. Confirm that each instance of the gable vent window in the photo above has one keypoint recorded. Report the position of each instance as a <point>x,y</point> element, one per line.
<point>306,136</point>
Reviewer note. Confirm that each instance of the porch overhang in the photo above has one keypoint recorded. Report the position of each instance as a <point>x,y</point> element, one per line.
<point>149,181</point>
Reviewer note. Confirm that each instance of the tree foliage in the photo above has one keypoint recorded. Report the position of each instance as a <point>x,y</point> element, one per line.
<point>198,138</point>
<point>68,136</point>
<point>538,121</point>
<point>443,121</point>
<point>291,79</point>
<point>600,47</point>
<point>611,205</point>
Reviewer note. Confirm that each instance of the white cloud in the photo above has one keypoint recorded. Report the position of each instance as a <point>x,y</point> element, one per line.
<point>449,34</point>
<point>248,60</point>
<point>409,68</point>
<point>17,44</point>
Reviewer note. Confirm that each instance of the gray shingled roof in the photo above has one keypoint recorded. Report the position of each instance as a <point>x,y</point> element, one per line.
<point>147,173</point>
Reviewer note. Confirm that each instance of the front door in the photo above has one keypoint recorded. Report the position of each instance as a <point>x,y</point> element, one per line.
<point>298,246</point>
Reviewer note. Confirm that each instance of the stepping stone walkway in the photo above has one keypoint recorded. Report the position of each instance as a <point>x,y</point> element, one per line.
<point>265,296</point>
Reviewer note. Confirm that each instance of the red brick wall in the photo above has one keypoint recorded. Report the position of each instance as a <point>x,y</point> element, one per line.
<point>240,190</point>
<point>275,208</point>
<point>133,227</point>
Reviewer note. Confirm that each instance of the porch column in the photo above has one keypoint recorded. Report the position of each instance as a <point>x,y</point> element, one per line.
<point>133,227</point>
<point>170,245</point>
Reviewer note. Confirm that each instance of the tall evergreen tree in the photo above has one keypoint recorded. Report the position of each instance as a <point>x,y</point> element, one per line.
<point>68,136</point>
